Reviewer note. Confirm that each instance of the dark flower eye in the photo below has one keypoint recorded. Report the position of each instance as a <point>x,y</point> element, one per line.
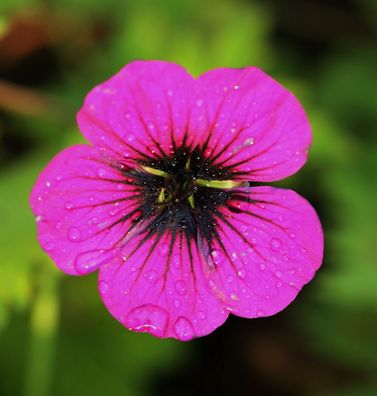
<point>165,202</point>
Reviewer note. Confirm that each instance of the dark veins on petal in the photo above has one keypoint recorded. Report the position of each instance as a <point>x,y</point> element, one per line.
<point>180,195</point>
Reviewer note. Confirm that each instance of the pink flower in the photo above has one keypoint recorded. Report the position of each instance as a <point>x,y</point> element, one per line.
<point>163,202</point>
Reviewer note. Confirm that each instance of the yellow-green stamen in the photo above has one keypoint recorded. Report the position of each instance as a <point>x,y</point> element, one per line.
<point>222,184</point>
<point>191,201</point>
<point>154,171</point>
<point>162,195</point>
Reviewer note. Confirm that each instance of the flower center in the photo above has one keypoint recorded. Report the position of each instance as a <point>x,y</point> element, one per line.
<point>183,185</point>
<point>181,194</point>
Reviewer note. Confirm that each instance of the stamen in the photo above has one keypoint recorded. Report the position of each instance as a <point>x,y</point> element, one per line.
<point>223,184</point>
<point>191,201</point>
<point>153,171</point>
<point>187,166</point>
<point>162,196</point>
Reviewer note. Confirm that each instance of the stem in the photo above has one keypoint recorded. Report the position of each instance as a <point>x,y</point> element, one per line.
<point>44,321</point>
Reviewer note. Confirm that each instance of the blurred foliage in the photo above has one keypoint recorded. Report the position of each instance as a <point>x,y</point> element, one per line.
<point>55,336</point>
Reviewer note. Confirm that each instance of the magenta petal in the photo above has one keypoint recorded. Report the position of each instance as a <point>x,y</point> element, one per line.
<point>254,124</point>
<point>156,204</point>
<point>156,287</point>
<point>267,253</point>
<point>82,207</point>
<point>143,109</point>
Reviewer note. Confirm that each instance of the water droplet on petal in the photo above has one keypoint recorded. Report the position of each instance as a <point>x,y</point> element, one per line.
<point>49,246</point>
<point>103,287</point>
<point>164,249</point>
<point>241,273</point>
<point>69,205</point>
<point>101,172</point>
<point>275,244</point>
<point>234,297</point>
<point>183,329</point>
<point>91,260</point>
<point>74,234</point>
<point>176,303</point>
<point>148,318</point>
<point>233,256</point>
<point>260,312</point>
<point>150,275</point>
<point>202,315</point>
<point>38,218</point>
<point>180,287</point>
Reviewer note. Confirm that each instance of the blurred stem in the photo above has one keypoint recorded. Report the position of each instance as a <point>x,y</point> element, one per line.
<point>29,102</point>
<point>43,326</point>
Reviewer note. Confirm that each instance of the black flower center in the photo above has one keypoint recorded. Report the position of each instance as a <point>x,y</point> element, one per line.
<point>181,194</point>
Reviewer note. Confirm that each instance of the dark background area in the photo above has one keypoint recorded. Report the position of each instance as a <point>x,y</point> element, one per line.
<point>56,337</point>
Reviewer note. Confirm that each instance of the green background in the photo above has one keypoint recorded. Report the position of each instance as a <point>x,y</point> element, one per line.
<point>56,337</point>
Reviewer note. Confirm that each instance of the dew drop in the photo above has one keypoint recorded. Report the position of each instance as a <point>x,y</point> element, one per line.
<point>278,274</point>
<point>74,234</point>
<point>103,287</point>
<point>164,249</point>
<point>69,205</point>
<point>148,318</point>
<point>38,218</point>
<point>260,312</point>
<point>48,184</point>
<point>91,260</point>
<point>215,256</point>
<point>176,303</point>
<point>234,297</point>
<point>183,329</point>
<point>101,172</point>
<point>202,315</point>
<point>241,273</point>
<point>180,287</point>
<point>150,275</point>
<point>278,284</point>
<point>49,246</point>
<point>199,102</point>
<point>262,267</point>
<point>176,260</point>
<point>130,138</point>
<point>275,244</point>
